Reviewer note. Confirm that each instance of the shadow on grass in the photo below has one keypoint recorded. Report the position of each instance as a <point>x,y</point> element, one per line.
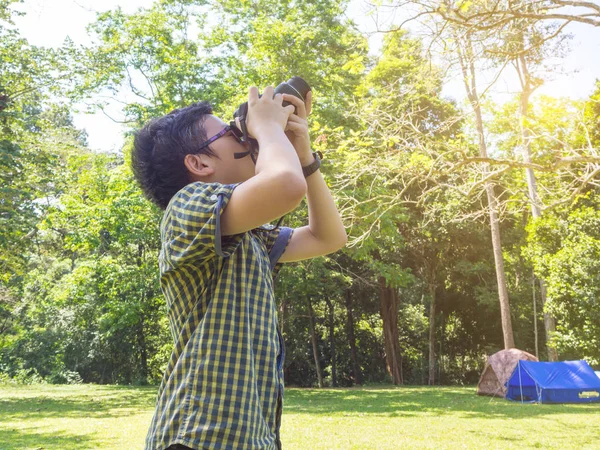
<point>103,402</point>
<point>98,402</point>
<point>414,401</point>
<point>11,439</point>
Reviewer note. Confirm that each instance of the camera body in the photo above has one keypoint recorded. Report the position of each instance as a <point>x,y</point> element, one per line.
<point>295,86</point>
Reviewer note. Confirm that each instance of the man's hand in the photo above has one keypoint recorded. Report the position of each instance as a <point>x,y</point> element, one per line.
<point>325,232</point>
<point>297,127</point>
<point>266,112</point>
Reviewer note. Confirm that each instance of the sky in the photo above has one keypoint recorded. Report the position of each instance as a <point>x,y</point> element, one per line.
<point>49,22</point>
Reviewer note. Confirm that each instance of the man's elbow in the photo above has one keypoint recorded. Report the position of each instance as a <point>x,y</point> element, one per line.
<point>293,187</point>
<point>338,243</point>
<point>343,240</point>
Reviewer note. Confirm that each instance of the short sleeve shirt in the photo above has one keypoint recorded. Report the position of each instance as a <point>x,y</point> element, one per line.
<point>223,385</point>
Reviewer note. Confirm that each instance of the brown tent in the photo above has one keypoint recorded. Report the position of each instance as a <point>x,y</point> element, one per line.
<point>498,369</point>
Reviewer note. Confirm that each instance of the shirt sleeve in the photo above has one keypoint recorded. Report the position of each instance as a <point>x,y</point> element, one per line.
<point>196,224</point>
<point>276,241</point>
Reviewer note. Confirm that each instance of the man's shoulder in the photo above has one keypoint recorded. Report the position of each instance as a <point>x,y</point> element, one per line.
<point>198,188</point>
<point>191,196</point>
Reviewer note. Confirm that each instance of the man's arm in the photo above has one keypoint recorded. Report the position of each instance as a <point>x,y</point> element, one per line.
<point>278,186</point>
<point>325,232</point>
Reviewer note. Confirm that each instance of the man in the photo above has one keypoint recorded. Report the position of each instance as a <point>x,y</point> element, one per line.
<point>223,386</point>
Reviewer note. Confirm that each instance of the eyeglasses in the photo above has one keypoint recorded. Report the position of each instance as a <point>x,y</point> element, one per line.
<point>220,134</point>
<point>234,131</point>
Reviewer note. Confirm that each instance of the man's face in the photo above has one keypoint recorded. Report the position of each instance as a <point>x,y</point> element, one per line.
<point>227,170</point>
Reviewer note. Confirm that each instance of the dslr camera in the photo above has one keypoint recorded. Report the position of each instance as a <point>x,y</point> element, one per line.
<point>295,86</point>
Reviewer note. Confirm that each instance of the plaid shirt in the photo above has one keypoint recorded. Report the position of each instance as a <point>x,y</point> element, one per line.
<point>223,385</point>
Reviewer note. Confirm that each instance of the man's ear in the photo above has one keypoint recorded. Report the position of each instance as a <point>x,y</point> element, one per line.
<point>199,166</point>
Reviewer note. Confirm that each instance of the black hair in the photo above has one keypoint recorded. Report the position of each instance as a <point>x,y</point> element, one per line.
<point>160,147</point>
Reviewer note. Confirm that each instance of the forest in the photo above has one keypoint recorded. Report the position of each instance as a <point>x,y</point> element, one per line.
<point>473,225</point>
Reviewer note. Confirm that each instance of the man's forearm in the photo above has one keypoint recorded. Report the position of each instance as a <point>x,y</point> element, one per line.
<point>324,220</point>
<point>277,153</point>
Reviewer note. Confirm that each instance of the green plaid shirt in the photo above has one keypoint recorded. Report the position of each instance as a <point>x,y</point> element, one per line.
<point>223,385</point>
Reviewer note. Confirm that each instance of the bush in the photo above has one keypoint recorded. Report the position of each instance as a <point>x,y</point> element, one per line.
<point>65,376</point>
<point>22,376</point>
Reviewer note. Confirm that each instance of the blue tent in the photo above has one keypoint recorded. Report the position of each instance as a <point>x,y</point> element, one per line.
<point>553,382</point>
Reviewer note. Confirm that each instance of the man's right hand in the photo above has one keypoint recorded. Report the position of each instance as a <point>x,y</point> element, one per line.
<point>278,185</point>
<point>266,113</point>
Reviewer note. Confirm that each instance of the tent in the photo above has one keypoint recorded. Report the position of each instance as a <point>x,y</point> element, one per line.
<point>598,373</point>
<point>498,369</point>
<point>554,382</point>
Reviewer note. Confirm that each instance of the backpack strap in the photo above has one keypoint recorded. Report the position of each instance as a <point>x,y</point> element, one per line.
<point>281,242</point>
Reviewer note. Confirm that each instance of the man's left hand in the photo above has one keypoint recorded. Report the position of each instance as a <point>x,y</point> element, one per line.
<point>297,127</point>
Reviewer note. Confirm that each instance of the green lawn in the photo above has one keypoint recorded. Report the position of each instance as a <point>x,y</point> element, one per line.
<point>116,417</point>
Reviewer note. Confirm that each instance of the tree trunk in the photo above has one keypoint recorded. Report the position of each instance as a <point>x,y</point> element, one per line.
<point>352,340</point>
<point>431,381</point>
<point>527,89</point>
<point>283,313</point>
<point>535,328</point>
<point>440,357</point>
<point>389,316</point>
<point>465,54</point>
<point>143,354</point>
<point>507,331</point>
<point>283,306</point>
<point>313,338</point>
<point>331,308</point>
<point>143,348</point>
<point>549,325</point>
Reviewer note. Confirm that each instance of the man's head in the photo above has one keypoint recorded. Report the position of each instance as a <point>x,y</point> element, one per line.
<point>169,153</point>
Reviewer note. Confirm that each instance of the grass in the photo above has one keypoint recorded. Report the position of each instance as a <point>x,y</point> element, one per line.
<point>117,417</point>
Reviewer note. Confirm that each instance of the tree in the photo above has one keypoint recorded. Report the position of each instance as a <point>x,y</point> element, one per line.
<point>463,44</point>
<point>557,125</point>
<point>154,55</point>
<point>523,37</point>
<point>487,16</point>
<point>404,120</point>
<point>565,247</point>
<point>497,14</point>
<point>413,299</point>
<point>100,307</point>
<point>527,44</point>
<point>467,64</point>
<point>35,130</point>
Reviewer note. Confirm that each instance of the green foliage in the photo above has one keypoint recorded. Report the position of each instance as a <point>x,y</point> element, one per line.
<point>80,299</point>
<point>565,249</point>
<point>592,116</point>
<point>22,377</point>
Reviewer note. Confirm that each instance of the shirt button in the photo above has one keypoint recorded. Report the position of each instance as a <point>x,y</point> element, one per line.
<point>214,197</point>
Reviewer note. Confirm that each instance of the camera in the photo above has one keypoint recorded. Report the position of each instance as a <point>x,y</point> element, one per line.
<point>295,86</point>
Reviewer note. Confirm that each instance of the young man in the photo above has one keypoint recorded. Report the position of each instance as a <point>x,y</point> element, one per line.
<point>223,386</point>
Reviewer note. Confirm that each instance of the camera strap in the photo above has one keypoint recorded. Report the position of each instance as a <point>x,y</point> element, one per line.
<point>252,143</point>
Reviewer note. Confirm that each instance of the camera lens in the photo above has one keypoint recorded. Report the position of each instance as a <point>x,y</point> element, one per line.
<point>295,86</point>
